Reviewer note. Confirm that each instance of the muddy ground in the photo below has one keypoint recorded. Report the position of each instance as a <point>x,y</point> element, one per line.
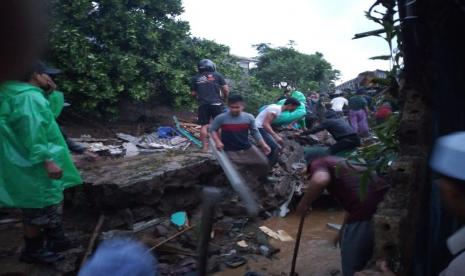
<point>119,202</point>
<point>317,255</point>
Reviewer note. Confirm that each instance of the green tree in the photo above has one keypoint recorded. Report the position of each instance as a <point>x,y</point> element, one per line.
<point>114,49</point>
<point>255,93</point>
<point>299,70</point>
<point>111,48</point>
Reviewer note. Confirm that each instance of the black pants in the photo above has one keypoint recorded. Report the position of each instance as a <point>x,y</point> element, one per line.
<point>345,143</point>
<point>208,112</point>
<point>49,219</point>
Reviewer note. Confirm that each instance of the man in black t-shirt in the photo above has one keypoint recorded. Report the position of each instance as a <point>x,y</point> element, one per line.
<point>210,88</point>
<point>346,137</point>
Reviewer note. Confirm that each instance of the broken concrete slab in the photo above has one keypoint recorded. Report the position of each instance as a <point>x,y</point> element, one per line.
<point>149,180</point>
<point>141,169</point>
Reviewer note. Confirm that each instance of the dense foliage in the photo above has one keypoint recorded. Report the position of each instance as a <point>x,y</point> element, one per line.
<point>379,156</point>
<point>109,49</point>
<point>384,13</point>
<point>116,49</point>
<point>303,71</point>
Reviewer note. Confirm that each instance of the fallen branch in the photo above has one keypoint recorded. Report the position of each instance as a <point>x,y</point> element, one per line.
<point>172,237</point>
<point>93,239</point>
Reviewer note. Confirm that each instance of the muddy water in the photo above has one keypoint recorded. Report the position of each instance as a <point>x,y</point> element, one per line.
<point>317,255</point>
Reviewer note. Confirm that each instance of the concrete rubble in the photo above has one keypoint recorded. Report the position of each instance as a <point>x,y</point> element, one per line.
<point>151,186</point>
<point>144,189</point>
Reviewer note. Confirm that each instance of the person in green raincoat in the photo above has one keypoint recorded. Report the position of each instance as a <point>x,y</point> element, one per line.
<point>295,116</point>
<point>36,165</point>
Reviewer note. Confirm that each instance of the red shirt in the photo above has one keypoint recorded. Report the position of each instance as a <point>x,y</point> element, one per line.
<point>345,186</point>
<point>383,112</point>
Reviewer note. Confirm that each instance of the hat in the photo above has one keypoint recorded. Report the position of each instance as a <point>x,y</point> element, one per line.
<point>41,68</point>
<point>449,155</point>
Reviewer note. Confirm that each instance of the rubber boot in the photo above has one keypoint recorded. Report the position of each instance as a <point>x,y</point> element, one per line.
<point>34,252</point>
<point>57,240</point>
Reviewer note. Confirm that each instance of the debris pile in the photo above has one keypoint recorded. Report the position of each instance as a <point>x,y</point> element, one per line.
<point>163,139</point>
<point>138,195</point>
<point>235,240</point>
<point>148,188</point>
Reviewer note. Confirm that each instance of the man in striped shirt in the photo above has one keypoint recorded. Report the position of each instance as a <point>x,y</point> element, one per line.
<point>230,131</point>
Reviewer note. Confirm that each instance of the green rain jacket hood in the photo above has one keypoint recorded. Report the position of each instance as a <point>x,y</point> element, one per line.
<point>288,117</point>
<point>29,135</point>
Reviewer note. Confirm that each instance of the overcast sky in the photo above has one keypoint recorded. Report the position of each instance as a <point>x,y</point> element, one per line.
<point>326,26</point>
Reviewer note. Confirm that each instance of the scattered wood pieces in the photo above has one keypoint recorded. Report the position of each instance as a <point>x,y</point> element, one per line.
<point>172,237</point>
<point>194,129</point>
<point>279,235</point>
<point>284,236</point>
<point>140,226</point>
<point>189,124</point>
<point>93,239</point>
<point>269,232</point>
<point>242,244</point>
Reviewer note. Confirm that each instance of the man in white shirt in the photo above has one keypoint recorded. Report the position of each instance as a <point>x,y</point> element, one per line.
<point>264,121</point>
<point>338,103</point>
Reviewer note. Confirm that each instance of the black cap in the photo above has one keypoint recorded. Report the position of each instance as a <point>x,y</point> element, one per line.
<point>41,68</point>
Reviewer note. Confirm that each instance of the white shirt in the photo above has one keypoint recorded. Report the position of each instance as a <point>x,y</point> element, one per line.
<point>272,108</point>
<point>456,244</point>
<point>337,104</point>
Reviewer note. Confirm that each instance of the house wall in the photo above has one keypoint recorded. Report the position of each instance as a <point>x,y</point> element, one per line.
<point>411,225</point>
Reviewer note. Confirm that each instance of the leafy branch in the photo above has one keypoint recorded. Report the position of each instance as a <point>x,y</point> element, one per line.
<point>389,30</point>
<point>377,157</point>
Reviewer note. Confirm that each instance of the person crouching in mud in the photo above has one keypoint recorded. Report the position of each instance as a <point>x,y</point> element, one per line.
<point>343,181</point>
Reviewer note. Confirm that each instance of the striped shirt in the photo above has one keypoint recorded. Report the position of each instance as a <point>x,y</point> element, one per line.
<point>235,130</point>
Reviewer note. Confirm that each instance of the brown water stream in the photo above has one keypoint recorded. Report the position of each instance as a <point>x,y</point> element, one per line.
<point>317,255</point>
